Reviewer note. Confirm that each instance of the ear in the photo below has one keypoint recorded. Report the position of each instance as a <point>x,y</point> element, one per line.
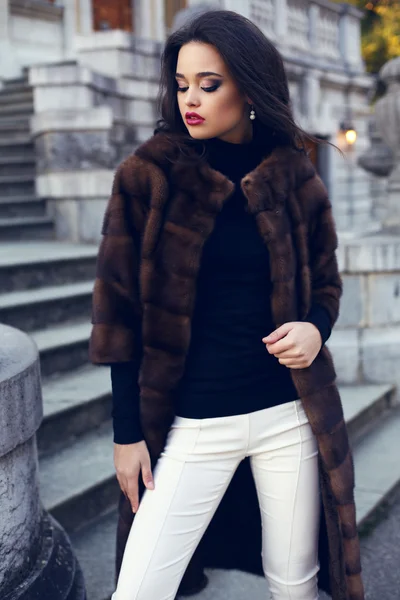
<point>248,100</point>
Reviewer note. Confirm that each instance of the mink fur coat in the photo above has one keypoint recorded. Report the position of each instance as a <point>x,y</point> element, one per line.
<point>158,218</point>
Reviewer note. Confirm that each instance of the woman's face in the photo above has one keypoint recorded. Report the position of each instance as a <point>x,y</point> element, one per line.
<point>205,87</point>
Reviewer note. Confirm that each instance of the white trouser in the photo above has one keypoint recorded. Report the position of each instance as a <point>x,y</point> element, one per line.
<point>191,476</point>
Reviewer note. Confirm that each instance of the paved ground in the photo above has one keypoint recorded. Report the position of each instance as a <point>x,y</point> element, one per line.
<point>380,559</point>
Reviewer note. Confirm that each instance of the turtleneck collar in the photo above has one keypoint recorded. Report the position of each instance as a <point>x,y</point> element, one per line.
<point>237,159</point>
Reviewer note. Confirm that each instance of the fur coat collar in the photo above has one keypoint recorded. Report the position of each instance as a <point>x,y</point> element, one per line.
<point>157,220</point>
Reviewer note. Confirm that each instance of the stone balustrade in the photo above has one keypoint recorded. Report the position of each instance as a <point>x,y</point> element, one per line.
<point>323,30</point>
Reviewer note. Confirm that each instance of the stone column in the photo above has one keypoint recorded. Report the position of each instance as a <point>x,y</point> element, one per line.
<point>280,19</point>
<point>159,20</point>
<point>9,66</point>
<point>387,115</point>
<point>36,557</point>
<point>85,17</point>
<point>350,36</point>
<point>70,23</point>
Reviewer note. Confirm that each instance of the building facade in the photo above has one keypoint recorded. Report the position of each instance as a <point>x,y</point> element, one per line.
<point>122,39</point>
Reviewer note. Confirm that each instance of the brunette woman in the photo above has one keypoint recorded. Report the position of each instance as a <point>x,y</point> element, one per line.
<point>217,287</point>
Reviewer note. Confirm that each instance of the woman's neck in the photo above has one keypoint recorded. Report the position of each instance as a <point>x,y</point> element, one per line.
<point>240,135</point>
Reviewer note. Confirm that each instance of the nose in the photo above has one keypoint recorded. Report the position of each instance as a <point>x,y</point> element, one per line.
<point>191,99</point>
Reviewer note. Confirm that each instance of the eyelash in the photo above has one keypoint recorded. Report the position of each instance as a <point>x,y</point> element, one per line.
<point>208,89</point>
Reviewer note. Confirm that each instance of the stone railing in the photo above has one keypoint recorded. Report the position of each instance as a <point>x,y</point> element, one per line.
<point>31,541</point>
<point>298,26</point>
<point>262,12</point>
<point>324,30</point>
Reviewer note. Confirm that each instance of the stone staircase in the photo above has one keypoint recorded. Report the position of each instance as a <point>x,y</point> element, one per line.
<point>22,215</point>
<point>45,290</point>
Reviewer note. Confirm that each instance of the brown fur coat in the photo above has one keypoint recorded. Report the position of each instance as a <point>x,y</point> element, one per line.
<point>157,220</point>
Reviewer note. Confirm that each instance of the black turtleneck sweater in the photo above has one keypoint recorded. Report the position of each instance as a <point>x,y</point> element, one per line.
<point>228,370</point>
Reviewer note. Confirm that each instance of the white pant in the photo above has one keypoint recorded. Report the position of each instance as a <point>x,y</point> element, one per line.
<point>191,476</point>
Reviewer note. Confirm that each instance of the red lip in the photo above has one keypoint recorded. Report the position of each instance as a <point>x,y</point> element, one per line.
<point>193,115</point>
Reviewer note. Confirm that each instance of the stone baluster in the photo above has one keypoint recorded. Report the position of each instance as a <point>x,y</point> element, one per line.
<point>9,66</point>
<point>36,557</point>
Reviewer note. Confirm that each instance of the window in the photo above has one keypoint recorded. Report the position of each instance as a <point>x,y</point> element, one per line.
<point>112,14</point>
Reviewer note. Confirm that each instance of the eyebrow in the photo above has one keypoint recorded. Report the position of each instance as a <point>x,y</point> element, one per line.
<point>201,74</point>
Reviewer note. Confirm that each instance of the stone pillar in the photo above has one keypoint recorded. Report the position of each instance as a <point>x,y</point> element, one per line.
<point>350,36</point>
<point>9,66</point>
<point>387,115</point>
<point>36,558</point>
<point>78,20</point>
<point>70,24</point>
<point>159,20</point>
<point>281,19</point>
<point>85,17</point>
<point>146,19</point>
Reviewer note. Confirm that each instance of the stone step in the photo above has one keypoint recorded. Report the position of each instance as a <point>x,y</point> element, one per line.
<point>14,144</point>
<point>15,123</point>
<point>62,347</point>
<point>69,396</point>
<point>363,405</point>
<point>73,403</point>
<point>99,567</point>
<point>30,265</point>
<point>15,185</point>
<point>22,206</point>
<point>14,109</point>
<point>26,228</point>
<point>377,477</point>
<point>18,165</point>
<point>78,482</point>
<point>42,308</point>
<point>377,468</point>
<point>21,138</point>
<point>15,83</point>
<point>12,97</point>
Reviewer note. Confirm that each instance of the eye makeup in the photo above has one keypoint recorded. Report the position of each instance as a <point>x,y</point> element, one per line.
<point>208,89</point>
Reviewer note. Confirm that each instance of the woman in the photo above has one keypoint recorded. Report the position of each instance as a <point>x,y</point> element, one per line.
<point>217,287</point>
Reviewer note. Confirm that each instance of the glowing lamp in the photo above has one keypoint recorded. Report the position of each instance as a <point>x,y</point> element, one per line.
<point>349,133</point>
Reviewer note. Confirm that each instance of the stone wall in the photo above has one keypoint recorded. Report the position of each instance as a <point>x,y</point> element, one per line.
<point>365,340</point>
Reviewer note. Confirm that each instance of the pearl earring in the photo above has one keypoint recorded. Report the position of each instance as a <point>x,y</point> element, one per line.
<point>252,113</point>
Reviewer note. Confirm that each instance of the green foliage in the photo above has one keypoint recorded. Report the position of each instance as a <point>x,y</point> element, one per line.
<point>380,30</point>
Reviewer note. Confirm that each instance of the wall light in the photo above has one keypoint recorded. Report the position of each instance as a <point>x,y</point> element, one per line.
<point>349,132</point>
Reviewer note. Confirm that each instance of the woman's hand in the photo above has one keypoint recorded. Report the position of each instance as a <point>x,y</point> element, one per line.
<point>295,344</point>
<point>129,461</point>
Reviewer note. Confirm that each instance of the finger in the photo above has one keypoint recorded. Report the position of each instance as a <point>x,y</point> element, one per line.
<point>293,354</point>
<point>293,364</point>
<point>278,333</point>
<point>133,495</point>
<point>280,346</point>
<point>147,475</point>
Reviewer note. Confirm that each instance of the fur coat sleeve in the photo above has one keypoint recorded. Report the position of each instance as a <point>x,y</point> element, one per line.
<point>116,307</point>
<point>326,282</point>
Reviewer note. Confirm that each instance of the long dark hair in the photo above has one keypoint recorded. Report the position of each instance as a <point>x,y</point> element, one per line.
<point>254,63</point>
